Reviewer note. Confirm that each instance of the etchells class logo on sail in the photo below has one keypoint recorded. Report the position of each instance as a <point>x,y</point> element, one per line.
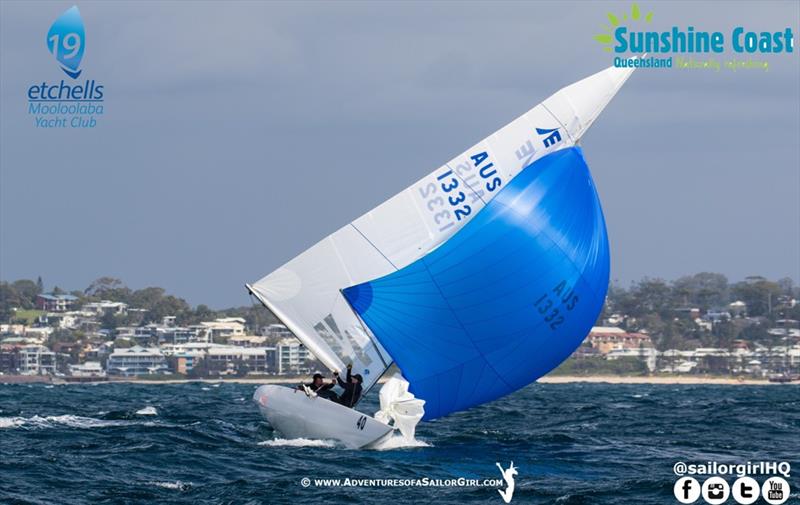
<point>70,102</point>
<point>636,44</point>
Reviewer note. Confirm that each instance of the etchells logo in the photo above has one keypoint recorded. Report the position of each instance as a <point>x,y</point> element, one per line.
<point>67,103</point>
<point>636,44</point>
<point>66,39</point>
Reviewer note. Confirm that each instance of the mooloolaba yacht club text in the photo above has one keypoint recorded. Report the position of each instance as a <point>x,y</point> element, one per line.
<point>66,106</point>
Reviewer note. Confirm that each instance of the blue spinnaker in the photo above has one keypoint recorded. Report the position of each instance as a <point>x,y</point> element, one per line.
<point>503,301</point>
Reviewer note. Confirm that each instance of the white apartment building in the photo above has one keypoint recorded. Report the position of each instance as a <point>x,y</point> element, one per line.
<point>105,306</point>
<point>292,357</point>
<point>137,361</point>
<point>88,369</point>
<point>36,360</point>
<point>224,327</point>
<point>227,359</point>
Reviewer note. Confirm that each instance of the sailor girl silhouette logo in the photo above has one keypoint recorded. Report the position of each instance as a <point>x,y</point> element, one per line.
<point>508,476</point>
<point>66,40</point>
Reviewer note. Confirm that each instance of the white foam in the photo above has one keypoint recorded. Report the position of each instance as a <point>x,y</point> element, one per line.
<point>11,422</point>
<point>298,442</point>
<point>53,421</point>
<point>147,411</point>
<point>171,485</point>
<point>206,389</point>
<point>215,385</point>
<point>398,441</point>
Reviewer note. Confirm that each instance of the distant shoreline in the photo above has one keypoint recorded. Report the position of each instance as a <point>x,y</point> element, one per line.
<point>548,379</point>
<point>660,379</point>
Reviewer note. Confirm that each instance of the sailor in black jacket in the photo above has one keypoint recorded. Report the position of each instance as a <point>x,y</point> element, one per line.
<point>318,386</point>
<point>352,387</point>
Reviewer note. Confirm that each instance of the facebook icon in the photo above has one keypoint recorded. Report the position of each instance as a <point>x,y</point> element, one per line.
<point>687,490</point>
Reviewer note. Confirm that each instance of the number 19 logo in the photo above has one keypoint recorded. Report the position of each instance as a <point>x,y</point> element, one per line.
<point>66,39</point>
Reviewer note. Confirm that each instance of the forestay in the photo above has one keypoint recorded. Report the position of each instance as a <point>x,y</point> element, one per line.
<point>305,293</point>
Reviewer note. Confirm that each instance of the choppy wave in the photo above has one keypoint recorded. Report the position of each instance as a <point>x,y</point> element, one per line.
<point>147,411</point>
<point>602,444</point>
<point>62,420</point>
<point>298,442</point>
<point>176,485</point>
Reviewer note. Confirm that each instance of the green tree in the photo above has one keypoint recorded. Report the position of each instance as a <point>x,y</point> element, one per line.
<point>704,290</point>
<point>108,288</point>
<point>758,293</point>
<point>146,298</point>
<point>26,292</point>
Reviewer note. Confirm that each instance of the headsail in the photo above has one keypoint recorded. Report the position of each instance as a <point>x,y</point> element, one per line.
<point>503,301</point>
<point>305,293</point>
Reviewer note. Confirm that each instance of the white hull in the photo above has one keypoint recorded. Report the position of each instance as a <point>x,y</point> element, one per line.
<point>296,415</point>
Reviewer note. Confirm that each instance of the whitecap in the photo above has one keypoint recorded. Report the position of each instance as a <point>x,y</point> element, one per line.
<point>215,385</point>
<point>81,422</point>
<point>147,411</point>
<point>298,442</point>
<point>181,486</point>
<point>11,422</point>
<point>205,389</point>
<point>52,421</point>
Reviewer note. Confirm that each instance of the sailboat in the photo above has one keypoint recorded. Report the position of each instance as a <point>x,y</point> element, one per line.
<point>474,281</point>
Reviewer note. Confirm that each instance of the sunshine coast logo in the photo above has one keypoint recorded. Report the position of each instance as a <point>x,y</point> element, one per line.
<point>636,44</point>
<point>68,103</point>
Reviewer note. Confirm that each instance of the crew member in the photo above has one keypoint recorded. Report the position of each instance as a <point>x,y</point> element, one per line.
<point>352,387</point>
<point>318,386</point>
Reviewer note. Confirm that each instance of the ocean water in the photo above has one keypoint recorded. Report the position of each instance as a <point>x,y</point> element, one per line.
<point>202,443</point>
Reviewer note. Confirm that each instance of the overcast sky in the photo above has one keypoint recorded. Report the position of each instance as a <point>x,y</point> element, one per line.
<point>238,134</point>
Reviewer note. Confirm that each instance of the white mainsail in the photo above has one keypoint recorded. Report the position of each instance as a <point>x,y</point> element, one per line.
<point>305,293</point>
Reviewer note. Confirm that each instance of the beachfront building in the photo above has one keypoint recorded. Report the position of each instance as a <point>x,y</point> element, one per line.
<point>608,338</point>
<point>238,360</point>
<point>90,369</point>
<point>292,357</point>
<point>647,354</point>
<point>137,361</point>
<point>184,362</point>
<point>185,357</point>
<point>36,360</point>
